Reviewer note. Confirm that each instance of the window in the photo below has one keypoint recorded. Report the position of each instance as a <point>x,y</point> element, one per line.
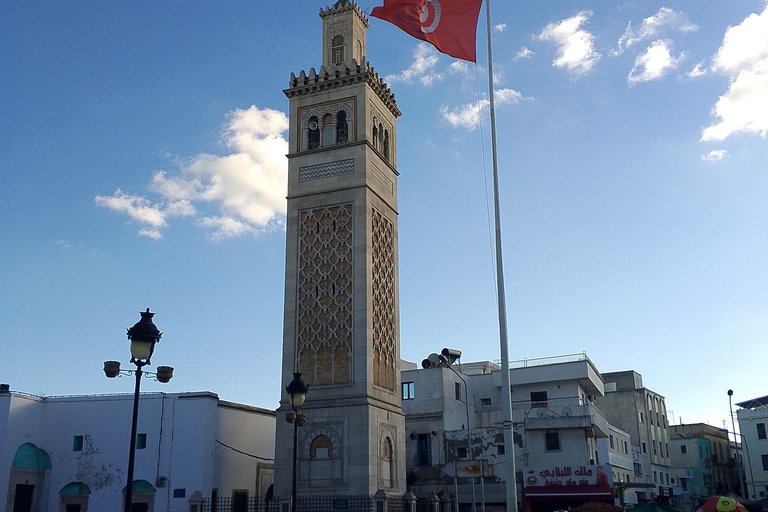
<point>338,50</point>
<point>538,398</point>
<point>462,453</point>
<point>313,127</point>
<point>342,130</point>
<point>663,421</point>
<point>552,441</point>
<point>500,449</point>
<point>654,448</point>
<point>644,448</point>
<point>457,390</point>
<point>764,457</point>
<point>77,444</point>
<point>141,441</point>
<point>650,417</point>
<point>761,430</point>
<point>666,476</point>
<point>611,442</point>
<point>683,448</point>
<point>424,450</point>
<point>667,446</point>
<point>386,145</point>
<point>408,391</point>
<point>657,419</point>
<point>655,477</point>
<point>641,418</point>
<point>626,447</point>
<point>321,448</point>
<point>485,401</point>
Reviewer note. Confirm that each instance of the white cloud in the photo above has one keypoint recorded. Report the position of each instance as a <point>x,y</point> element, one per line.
<point>651,26</point>
<point>524,53</point>
<point>715,155</point>
<point>458,67</point>
<point>242,192</point>
<point>422,69</point>
<point>743,57</point>
<point>138,208</point>
<point>468,115</point>
<point>697,71</point>
<point>575,46</point>
<point>499,27</point>
<point>654,63</point>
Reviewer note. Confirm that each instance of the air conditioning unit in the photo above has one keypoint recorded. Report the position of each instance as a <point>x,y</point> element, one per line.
<point>161,482</point>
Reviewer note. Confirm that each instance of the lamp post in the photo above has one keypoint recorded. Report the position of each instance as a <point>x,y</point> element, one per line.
<point>143,337</point>
<point>297,393</point>
<point>735,440</point>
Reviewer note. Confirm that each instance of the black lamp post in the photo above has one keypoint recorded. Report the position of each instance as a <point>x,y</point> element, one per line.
<point>735,444</point>
<point>297,393</point>
<point>143,336</point>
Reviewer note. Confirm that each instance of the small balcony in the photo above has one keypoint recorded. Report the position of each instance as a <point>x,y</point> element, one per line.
<point>562,413</point>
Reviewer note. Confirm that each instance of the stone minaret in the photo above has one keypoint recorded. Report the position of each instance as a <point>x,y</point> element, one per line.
<point>341,327</point>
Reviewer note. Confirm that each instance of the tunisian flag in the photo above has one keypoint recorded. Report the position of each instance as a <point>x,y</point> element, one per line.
<point>450,25</point>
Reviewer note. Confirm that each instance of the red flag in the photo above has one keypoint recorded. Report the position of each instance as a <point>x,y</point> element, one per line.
<point>450,25</point>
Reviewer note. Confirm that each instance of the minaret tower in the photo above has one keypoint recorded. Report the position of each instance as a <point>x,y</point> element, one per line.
<point>341,327</point>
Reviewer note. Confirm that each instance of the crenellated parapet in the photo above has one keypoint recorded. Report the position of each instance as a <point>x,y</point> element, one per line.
<point>339,76</point>
<point>343,6</point>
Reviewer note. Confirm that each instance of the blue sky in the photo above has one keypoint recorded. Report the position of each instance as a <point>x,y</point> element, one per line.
<point>141,161</point>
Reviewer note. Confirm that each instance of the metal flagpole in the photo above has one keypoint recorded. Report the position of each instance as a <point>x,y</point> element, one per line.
<point>506,391</point>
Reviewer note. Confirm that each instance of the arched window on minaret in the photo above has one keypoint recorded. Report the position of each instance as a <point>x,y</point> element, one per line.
<point>328,130</point>
<point>338,50</point>
<point>386,145</point>
<point>313,133</point>
<point>380,142</point>
<point>342,130</point>
<point>375,134</point>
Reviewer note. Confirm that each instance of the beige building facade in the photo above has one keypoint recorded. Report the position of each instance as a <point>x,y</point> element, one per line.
<point>341,324</point>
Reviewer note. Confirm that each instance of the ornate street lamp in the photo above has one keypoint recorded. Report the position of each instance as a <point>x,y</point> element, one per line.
<point>297,393</point>
<point>143,337</point>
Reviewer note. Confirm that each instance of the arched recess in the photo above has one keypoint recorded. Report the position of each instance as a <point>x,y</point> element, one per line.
<point>322,455</point>
<point>143,494</point>
<point>73,497</point>
<point>387,460</point>
<point>27,478</point>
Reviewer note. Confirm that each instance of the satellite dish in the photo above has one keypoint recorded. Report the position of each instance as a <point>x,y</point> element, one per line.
<point>541,412</point>
<point>567,412</point>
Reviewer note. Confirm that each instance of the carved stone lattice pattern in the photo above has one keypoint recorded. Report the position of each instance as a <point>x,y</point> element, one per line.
<point>315,172</point>
<point>383,301</point>
<point>325,289</point>
<point>380,177</point>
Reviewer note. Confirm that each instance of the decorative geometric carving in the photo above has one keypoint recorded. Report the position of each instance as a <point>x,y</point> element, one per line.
<point>325,288</point>
<point>381,178</point>
<point>315,172</point>
<point>383,301</point>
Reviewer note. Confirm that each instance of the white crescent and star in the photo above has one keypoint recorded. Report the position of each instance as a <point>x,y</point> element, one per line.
<point>430,16</point>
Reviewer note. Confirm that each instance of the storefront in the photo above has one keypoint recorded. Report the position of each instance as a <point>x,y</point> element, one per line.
<point>547,489</point>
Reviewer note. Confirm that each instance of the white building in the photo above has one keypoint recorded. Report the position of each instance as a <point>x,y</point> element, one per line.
<point>753,422</point>
<point>70,453</point>
<point>556,424</point>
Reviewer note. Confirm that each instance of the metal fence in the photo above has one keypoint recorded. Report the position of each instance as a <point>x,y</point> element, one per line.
<point>350,503</point>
